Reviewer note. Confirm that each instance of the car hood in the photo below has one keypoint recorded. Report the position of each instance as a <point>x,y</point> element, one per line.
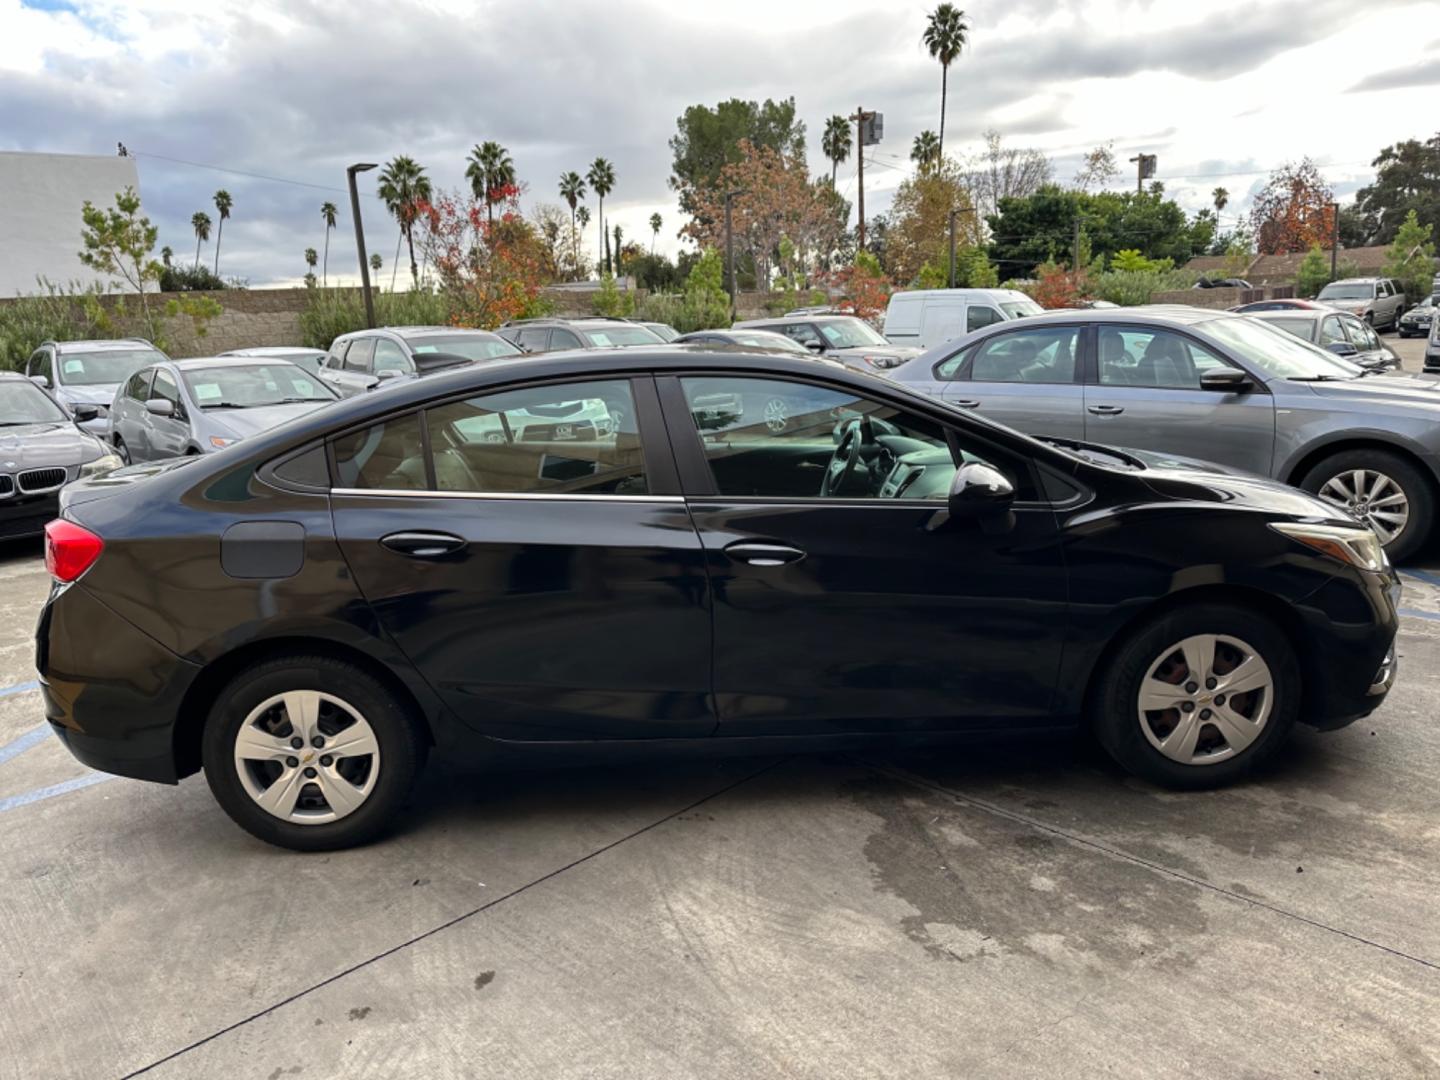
<point>902,352</point>
<point>1392,388</point>
<point>57,442</point>
<point>103,394</point>
<point>242,423</point>
<point>1244,491</point>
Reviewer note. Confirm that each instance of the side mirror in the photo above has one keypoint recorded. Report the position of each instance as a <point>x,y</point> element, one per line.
<point>388,373</point>
<point>1226,380</point>
<point>160,407</point>
<point>84,411</point>
<point>41,380</point>
<point>980,491</point>
<point>815,346</point>
<point>1342,348</point>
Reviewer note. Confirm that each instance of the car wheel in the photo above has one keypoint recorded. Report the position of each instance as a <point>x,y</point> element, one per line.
<point>310,753</point>
<point>1382,489</point>
<point>777,414</point>
<point>121,450</point>
<point>1199,696</point>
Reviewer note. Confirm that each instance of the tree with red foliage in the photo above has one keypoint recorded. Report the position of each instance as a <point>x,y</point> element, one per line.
<point>1058,287</point>
<point>490,270</point>
<point>864,288</point>
<point>1293,212</point>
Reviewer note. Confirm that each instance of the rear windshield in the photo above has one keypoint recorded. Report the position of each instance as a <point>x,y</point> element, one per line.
<point>470,346</point>
<point>103,368</point>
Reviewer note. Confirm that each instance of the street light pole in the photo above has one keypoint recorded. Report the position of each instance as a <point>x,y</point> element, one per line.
<point>730,197</point>
<point>360,239</point>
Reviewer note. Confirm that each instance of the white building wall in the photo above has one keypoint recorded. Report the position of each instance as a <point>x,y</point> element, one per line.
<point>40,200</point>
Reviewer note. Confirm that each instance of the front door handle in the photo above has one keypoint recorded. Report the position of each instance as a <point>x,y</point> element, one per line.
<point>1105,410</point>
<point>756,553</point>
<point>423,545</point>
<point>968,403</point>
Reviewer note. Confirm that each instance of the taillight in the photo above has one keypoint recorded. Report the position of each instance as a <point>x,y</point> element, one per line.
<point>70,550</point>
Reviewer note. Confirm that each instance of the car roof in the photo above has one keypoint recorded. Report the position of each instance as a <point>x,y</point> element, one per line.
<point>194,363</point>
<point>1295,313</point>
<point>759,324</point>
<point>568,320</point>
<point>1174,314</point>
<point>271,350</point>
<point>1356,281</point>
<point>107,344</point>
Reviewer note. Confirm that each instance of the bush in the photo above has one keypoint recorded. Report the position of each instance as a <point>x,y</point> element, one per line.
<point>56,314</point>
<point>611,301</point>
<point>1313,273</point>
<point>189,279</point>
<point>704,305</point>
<point>331,312</point>
<point>1131,287</point>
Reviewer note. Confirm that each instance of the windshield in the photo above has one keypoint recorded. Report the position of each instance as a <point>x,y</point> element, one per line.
<point>103,368</point>
<point>252,387</point>
<point>25,403</point>
<point>470,346</point>
<point>1018,309</point>
<point>622,335</point>
<point>761,340</point>
<point>1346,292</point>
<point>850,334</point>
<point>1277,354</point>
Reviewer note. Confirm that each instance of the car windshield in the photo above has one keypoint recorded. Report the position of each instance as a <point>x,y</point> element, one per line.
<point>1338,291</point>
<point>1018,309</point>
<point>22,402</point>
<point>1278,354</point>
<point>761,340</point>
<point>850,334</point>
<point>103,367</point>
<point>622,335</point>
<point>250,387</point>
<point>470,346</point>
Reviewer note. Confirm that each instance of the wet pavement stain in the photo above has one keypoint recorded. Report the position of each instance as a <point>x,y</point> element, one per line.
<point>484,979</point>
<point>360,1014</point>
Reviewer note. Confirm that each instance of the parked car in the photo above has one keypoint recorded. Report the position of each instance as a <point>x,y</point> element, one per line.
<point>1339,332</point>
<point>749,339</point>
<point>929,317</point>
<point>815,309</point>
<point>1213,386</point>
<point>1222,283</point>
<point>597,332</point>
<point>1284,303</point>
<point>42,448</point>
<point>89,373</point>
<point>845,338</point>
<point>1432,348</point>
<point>1379,301</point>
<point>1416,321</point>
<point>366,359</point>
<point>201,405</point>
<point>915,572</point>
<point>309,359</point>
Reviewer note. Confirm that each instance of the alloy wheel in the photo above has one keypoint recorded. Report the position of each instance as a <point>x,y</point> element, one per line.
<point>777,414</point>
<point>1205,699</point>
<point>307,757</point>
<point>1371,496</point>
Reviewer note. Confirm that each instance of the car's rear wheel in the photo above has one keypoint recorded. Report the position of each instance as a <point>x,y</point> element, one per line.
<point>1382,489</point>
<point>1198,696</point>
<point>310,753</point>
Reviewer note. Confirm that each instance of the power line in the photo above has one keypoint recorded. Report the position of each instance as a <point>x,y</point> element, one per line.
<point>240,172</point>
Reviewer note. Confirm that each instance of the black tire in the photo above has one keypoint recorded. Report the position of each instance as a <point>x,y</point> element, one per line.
<point>401,750</point>
<point>1115,715</point>
<point>1418,489</point>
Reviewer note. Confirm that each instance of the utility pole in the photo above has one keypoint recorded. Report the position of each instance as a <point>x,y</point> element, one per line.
<point>1144,170</point>
<point>869,129</point>
<point>730,197</point>
<point>360,240</point>
<point>1334,236</point>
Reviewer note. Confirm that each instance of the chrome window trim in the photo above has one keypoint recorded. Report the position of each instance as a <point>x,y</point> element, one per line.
<point>501,496</point>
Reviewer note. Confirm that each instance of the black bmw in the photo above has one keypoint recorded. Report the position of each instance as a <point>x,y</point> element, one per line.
<point>475,563</point>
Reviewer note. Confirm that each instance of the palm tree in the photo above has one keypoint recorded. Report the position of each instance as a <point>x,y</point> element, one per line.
<point>572,190</point>
<point>601,179</point>
<point>200,222</point>
<point>945,37</point>
<point>327,214</point>
<point>223,203</point>
<point>375,262</point>
<point>836,143</point>
<point>655,222</point>
<point>1221,197</point>
<point>403,187</point>
<point>925,151</point>
<point>490,171</point>
<point>312,258</point>
<point>166,254</point>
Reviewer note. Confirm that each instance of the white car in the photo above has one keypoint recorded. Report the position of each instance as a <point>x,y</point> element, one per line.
<point>928,317</point>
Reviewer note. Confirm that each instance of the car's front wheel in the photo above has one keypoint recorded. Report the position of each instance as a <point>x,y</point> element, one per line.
<point>1199,696</point>
<point>1382,489</point>
<point>310,753</point>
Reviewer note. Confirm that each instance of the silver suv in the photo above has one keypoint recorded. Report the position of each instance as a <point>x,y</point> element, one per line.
<point>1379,301</point>
<point>89,373</point>
<point>366,359</point>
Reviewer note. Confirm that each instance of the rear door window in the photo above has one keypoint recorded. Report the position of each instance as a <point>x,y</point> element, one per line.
<point>1033,356</point>
<point>389,456</point>
<point>1135,356</point>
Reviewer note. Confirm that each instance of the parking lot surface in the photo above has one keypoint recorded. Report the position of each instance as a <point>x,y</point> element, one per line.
<point>1009,911</point>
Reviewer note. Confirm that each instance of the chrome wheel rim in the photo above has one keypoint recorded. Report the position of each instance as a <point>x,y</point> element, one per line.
<point>326,777</point>
<point>1205,699</point>
<point>777,414</point>
<point>1373,497</point>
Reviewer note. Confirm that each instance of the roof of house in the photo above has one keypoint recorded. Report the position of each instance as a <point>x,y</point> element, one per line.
<point>1282,269</point>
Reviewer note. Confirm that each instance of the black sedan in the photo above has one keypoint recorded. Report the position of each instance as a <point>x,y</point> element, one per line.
<point>42,448</point>
<point>306,614</point>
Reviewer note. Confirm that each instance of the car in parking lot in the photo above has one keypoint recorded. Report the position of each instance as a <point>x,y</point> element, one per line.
<point>1213,386</point>
<point>201,405</point>
<point>851,341</point>
<point>368,359</point>
<point>308,613</point>
<point>1416,321</point>
<point>309,359</point>
<point>1284,303</point>
<point>1338,332</point>
<point>42,448</point>
<point>664,331</point>
<point>1379,301</point>
<point>1432,348</point>
<point>586,332</point>
<point>749,339</point>
<point>89,373</point>
<point>925,318</point>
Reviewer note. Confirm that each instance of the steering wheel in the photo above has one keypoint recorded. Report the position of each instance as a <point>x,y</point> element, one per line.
<point>843,461</point>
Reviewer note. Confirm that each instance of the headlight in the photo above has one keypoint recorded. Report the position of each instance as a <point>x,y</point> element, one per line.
<point>884,363</point>
<point>1349,544</point>
<point>100,466</point>
<point>219,444</point>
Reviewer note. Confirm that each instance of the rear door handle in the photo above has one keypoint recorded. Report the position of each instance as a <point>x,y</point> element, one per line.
<point>968,403</point>
<point>1105,410</point>
<point>422,545</point>
<point>756,553</point>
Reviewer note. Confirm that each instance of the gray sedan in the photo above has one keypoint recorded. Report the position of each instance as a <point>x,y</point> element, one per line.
<point>1213,386</point>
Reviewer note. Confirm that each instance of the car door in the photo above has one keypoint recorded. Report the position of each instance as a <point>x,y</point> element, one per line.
<point>128,415</point>
<point>1027,379</point>
<point>354,376</point>
<point>1143,392</point>
<point>165,436</point>
<point>866,609</point>
<point>333,364</point>
<point>545,578</point>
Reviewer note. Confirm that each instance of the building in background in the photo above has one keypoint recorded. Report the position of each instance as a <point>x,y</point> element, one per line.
<point>40,200</point>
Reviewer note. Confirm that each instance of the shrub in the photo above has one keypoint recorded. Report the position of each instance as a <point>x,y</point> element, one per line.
<point>704,304</point>
<point>331,312</point>
<point>1313,273</point>
<point>56,314</point>
<point>189,279</point>
<point>611,301</point>
<point>1131,287</point>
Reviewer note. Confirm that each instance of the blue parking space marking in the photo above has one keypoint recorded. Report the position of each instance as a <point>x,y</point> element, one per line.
<point>1422,575</point>
<point>25,798</point>
<point>1413,614</point>
<point>19,688</point>
<point>21,743</point>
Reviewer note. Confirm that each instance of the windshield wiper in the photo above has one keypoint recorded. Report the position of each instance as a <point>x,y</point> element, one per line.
<point>1317,378</point>
<point>224,405</point>
<point>296,400</point>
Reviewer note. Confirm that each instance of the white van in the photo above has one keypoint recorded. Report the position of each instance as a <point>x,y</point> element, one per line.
<point>930,317</point>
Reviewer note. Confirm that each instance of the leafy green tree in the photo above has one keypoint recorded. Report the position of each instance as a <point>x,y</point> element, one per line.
<point>610,301</point>
<point>656,221</point>
<point>1411,259</point>
<point>491,174</point>
<point>1130,259</point>
<point>572,190</point>
<point>618,234</point>
<point>973,270</point>
<point>835,143</point>
<point>200,222</point>
<point>601,179</point>
<point>1313,273</point>
<point>925,151</point>
<point>223,204</point>
<point>1407,177</point>
<point>706,140</point>
<point>944,37</point>
<point>404,187</point>
<point>327,214</point>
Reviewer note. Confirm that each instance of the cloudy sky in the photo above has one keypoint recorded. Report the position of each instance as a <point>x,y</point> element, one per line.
<point>271,99</point>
